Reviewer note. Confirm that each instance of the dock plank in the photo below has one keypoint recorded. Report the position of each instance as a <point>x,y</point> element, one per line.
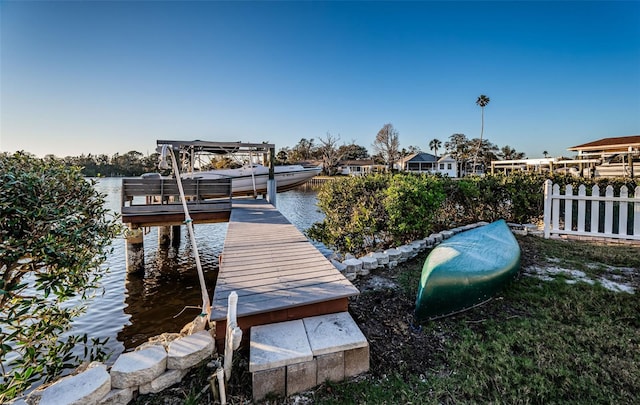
<point>272,266</point>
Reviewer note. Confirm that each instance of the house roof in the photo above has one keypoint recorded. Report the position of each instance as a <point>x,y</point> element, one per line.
<point>620,143</point>
<point>357,162</point>
<point>421,157</point>
<point>446,158</point>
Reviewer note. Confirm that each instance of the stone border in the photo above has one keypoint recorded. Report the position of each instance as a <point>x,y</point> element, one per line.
<point>353,267</point>
<point>151,368</point>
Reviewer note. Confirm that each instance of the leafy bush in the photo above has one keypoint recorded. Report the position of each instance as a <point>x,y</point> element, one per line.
<point>54,236</point>
<point>411,203</point>
<point>368,212</point>
<point>354,213</point>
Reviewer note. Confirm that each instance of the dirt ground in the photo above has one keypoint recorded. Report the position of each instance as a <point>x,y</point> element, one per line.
<point>384,312</point>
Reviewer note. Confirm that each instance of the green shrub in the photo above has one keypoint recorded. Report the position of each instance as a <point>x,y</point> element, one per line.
<point>411,203</point>
<point>369,212</point>
<point>54,235</point>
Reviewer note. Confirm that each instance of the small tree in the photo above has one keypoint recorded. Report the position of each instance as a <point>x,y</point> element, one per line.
<point>387,144</point>
<point>353,151</point>
<point>55,233</point>
<point>330,153</point>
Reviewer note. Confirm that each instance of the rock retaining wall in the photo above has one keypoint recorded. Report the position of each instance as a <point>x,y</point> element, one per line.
<point>149,369</point>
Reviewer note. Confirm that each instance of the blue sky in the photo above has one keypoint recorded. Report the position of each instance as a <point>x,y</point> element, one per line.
<point>106,77</point>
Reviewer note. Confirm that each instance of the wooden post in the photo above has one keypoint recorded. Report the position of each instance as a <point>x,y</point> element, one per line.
<point>164,236</point>
<point>175,235</point>
<point>135,250</point>
<point>547,208</point>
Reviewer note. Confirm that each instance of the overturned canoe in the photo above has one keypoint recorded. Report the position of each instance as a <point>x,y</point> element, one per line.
<point>466,270</point>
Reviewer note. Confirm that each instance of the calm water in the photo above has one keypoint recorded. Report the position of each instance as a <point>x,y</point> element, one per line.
<point>133,308</point>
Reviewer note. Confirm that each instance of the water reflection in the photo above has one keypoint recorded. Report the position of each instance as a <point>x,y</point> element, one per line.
<point>135,307</point>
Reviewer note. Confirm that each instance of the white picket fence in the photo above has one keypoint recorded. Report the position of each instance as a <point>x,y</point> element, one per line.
<point>592,223</point>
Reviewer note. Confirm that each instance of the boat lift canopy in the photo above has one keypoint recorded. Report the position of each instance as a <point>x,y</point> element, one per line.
<point>220,148</point>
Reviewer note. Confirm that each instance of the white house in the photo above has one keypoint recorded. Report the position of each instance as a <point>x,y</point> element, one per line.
<point>360,167</point>
<point>447,166</point>
<point>422,162</point>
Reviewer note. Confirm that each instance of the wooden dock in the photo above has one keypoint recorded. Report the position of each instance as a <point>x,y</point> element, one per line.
<point>155,201</point>
<point>276,272</point>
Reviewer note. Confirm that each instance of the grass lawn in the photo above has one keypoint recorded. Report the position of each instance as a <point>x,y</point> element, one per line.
<point>544,340</point>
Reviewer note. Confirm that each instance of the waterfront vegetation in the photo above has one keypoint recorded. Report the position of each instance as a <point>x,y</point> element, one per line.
<point>54,234</point>
<point>366,213</point>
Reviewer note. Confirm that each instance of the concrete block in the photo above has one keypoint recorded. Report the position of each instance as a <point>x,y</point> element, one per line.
<point>341,267</point>
<point>419,245</point>
<point>353,265</point>
<point>394,254</point>
<point>277,345</point>
<point>333,333</point>
<point>139,367</point>
<point>407,253</point>
<point>430,242</point>
<point>447,234</point>
<point>383,258</point>
<point>301,376</point>
<point>356,361</point>
<point>117,397</point>
<point>267,382</point>
<point>437,237</point>
<point>164,381</point>
<point>188,351</point>
<point>330,367</point>
<point>368,263</point>
<point>87,387</point>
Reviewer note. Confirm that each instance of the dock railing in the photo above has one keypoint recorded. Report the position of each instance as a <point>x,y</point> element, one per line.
<point>608,216</point>
<point>161,196</point>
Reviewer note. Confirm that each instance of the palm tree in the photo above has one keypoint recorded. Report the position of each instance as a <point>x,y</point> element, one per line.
<point>482,101</point>
<point>545,153</point>
<point>434,145</point>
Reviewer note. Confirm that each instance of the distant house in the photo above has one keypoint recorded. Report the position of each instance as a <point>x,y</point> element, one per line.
<point>610,157</point>
<point>608,146</point>
<point>448,166</point>
<point>422,162</point>
<point>360,167</point>
<point>419,162</point>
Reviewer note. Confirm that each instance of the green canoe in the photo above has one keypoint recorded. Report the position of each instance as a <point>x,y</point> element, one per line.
<point>466,270</point>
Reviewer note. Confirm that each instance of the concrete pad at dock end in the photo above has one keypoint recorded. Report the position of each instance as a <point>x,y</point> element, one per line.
<point>278,344</point>
<point>333,333</point>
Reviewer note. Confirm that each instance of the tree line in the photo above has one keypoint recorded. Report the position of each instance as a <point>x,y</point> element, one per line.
<point>473,155</point>
<point>326,149</point>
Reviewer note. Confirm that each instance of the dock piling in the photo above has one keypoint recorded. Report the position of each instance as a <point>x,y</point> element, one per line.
<point>135,250</point>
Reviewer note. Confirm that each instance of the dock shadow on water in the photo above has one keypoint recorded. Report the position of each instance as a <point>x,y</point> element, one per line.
<point>168,295</point>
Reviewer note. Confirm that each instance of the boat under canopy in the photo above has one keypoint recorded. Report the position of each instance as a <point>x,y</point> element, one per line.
<point>249,179</point>
<point>466,270</point>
